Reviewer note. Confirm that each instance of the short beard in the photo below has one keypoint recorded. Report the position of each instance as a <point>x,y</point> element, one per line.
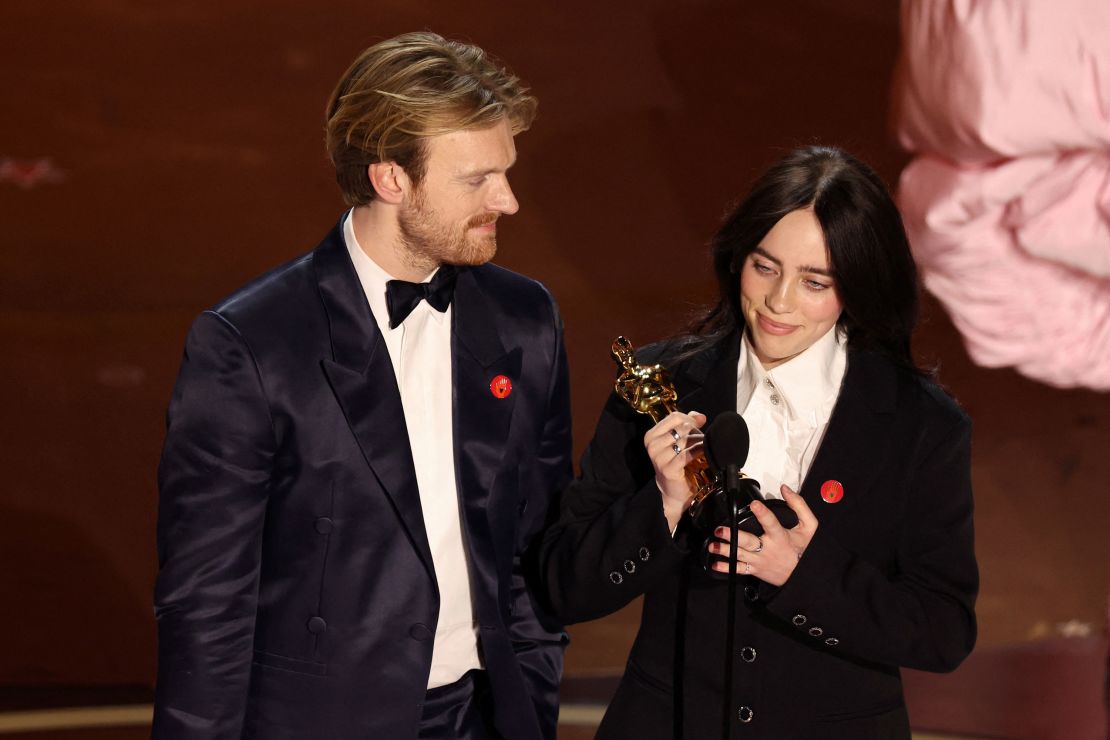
<point>429,243</point>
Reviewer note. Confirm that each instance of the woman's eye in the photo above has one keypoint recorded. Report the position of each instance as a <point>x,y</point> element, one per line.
<point>814,285</point>
<point>762,268</point>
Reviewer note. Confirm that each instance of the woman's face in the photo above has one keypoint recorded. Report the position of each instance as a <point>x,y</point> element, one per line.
<point>787,292</point>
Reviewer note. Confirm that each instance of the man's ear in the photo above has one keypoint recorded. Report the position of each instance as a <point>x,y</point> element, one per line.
<point>389,181</point>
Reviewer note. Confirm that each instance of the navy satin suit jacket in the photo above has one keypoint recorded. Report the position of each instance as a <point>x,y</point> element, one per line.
<point>296,596</point>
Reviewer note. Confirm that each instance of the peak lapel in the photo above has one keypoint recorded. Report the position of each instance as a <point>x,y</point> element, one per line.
<point>481,418</point>
<point>711,377</point>
<point>361,376</point>
<point>857,437</point>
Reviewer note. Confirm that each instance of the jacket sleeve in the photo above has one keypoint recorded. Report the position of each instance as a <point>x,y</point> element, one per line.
<point>920,616</point>
<point>213,483</point>
<point>611,541</point>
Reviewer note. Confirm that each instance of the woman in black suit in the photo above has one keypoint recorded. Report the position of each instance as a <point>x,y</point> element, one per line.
<point>810,342</point>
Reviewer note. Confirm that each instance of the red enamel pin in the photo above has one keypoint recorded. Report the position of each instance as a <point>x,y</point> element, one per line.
<point>832,491</point>
<point>501,386</point>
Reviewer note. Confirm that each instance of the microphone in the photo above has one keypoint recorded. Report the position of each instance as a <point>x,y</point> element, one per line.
<point>727,441</point>
<point>726,448</point>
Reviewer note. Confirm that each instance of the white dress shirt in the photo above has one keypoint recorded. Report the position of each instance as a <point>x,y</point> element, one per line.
<point>420,351</point>
<point>787,409</point>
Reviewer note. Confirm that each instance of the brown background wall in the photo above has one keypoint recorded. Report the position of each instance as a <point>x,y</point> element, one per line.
<point>187,141</point>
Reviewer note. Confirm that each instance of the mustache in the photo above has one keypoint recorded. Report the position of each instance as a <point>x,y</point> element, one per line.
<point>485,218</point>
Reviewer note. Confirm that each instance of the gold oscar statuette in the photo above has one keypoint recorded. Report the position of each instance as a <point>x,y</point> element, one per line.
<point>650,390</point>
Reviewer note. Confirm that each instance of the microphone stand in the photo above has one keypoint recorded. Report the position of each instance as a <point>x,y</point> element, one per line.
<point>732,490</point>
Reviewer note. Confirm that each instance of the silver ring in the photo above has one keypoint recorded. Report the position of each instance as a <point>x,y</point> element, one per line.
<point>675,435</point>
<point>759,547</point>
<point>747,568</point>
<point>676,448</point>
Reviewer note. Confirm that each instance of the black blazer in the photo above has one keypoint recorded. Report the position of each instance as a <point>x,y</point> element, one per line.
<point>297,597</point>
<point>888,580</point>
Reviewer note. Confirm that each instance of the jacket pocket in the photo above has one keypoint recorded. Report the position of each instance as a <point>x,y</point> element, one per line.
<point>638,675</point>
<point>875,724</point>
<point>282,663</point>
<point>862,713</point>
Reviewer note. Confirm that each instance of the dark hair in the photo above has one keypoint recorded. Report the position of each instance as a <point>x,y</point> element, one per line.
<point>876,278</point>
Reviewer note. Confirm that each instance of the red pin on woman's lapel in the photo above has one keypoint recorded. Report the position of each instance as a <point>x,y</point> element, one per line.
<point>832,491</point>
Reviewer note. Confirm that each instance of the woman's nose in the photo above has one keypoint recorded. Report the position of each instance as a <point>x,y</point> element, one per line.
<point>780,299</point>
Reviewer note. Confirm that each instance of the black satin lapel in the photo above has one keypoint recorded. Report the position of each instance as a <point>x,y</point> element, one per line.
<point>372,406</point>
<point>361,375</point>
<point>482,422</point>
<point>354,333</point>
<point>474,321</point>
<point>857,437</point>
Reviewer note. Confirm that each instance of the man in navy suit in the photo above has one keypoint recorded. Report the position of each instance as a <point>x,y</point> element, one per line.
<point>363,443</point>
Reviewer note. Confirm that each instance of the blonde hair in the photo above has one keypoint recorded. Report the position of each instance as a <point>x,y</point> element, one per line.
<point>403,90</point>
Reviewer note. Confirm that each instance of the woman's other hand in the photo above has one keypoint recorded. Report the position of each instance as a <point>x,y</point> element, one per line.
<point>772,556</point>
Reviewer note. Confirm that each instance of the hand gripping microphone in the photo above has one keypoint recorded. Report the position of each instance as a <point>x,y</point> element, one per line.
<point>727,443</point>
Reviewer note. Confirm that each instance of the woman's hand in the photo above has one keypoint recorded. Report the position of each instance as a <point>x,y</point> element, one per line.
<point>773,556</point>
<point>669,444</point>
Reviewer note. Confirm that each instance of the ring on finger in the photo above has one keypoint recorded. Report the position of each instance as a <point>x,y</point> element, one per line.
<point>676,448</point>
<point>759,546</point>
<point>675,435</point>
<point>747,568</point>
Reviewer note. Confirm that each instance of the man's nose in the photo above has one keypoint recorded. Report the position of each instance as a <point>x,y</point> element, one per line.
<point>502,199</point>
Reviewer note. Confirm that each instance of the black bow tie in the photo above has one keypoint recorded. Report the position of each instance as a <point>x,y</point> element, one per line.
<point>402,296</point>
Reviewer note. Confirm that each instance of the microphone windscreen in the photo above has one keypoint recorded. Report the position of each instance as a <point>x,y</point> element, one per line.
<point>726,441</point>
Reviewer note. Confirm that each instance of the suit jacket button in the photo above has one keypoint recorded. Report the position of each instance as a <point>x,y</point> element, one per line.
<point>751,593</point>
<point>317,625</point>
<point>747,654</point>
<point>799,620</point>
<point>324,525</point>
<point>616,578</point>
<point>745,715</point>
<point>629,567</point>
<point>832,642</point>
<point>645,554</point>
<point>816,631</point>
<point>420,632</point>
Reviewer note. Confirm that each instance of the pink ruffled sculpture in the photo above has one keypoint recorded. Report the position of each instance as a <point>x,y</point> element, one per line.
<point>1006,105</point>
